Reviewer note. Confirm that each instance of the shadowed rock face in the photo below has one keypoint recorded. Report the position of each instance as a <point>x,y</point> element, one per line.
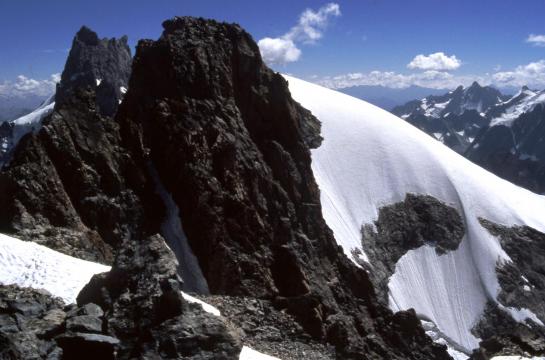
<point>232,147</point>
<point>417,221</point>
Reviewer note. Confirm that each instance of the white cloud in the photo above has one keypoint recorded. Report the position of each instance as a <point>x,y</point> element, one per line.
<point>536,40</point>
<point>24,86</point>
<point>532,74</point>
<point>278,50</point>
<point>437,61</point>
<point>309,29</point>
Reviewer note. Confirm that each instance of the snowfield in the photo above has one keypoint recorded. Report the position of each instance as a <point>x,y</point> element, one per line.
<point>370,158</point>
<point>28,264</point>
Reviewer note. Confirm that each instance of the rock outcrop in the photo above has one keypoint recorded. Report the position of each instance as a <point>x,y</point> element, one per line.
<point>145,310</point>
<point>417,221</point>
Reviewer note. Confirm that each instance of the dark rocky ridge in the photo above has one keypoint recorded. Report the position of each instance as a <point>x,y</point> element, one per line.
<point>231,146</point>
<point>504,336</point>
<point>417,221</point>
<point>71,186</point>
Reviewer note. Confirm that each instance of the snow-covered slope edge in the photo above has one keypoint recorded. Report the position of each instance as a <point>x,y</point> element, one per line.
<point>11,132</point>
<point>371,158</point>
<point>28,264</point>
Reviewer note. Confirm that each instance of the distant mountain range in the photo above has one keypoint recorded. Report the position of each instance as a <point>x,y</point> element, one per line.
<point>387,98</point>
<point>504,134</point>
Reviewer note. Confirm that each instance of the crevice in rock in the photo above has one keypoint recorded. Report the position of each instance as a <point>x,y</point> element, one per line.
<point>173,232</point>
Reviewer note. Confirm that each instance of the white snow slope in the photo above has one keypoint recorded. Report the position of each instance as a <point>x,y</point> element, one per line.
<point>28,264</point>
<point>370,158</point>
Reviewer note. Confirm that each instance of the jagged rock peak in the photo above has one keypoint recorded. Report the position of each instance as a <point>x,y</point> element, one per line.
<point>101,64</point>
<point>87,36</point>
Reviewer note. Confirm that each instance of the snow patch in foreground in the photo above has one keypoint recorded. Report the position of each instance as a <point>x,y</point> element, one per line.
<point>370,158</point>
<point>205,306</point>
<point>28,264</point>
<point>250,354</point>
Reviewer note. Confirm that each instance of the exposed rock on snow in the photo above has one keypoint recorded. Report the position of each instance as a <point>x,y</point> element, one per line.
<point>417,221</point>
<point>521,278</point>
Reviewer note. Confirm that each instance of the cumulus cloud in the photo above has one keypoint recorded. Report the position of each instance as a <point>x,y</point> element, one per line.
<point>278,50</point>
<point>437,61</point>
<point>532,74</point>
<point>24,86</point>
<point>536,40</point>
<point>308,30</point>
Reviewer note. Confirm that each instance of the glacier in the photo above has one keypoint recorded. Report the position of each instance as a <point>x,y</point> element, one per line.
<point>370,158</point>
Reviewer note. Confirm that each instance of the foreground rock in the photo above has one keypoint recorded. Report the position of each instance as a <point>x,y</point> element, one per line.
<point>145,310</point>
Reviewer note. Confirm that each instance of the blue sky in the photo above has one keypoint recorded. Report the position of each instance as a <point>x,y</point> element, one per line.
<point>362,42</point>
